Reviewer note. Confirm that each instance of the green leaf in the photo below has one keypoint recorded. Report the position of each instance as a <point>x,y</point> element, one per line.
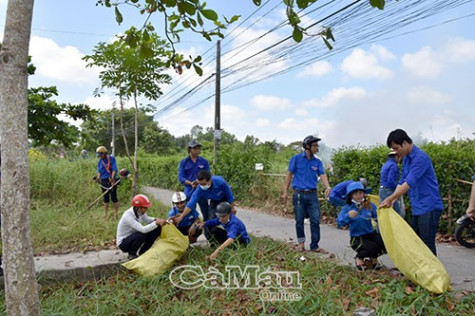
<point>377,4</point>
<point>189,8</point>
<point>289,3</point>
<point>293,17</point>
<point>234,18</point>
<point>197,59</point>
<point>200,20</point>
<point>302,4</point>
<point>210,14</point>
<point>257,2</point>
<point>146,51</point>
<point>206,35</point>
<point>198,70</point>
<point>193,22</point>
<point>186,24</point>
<point>145,36</point>
<point>330,34</point>
<point>297,34</point>
<point>330,47</point>
<point>118,16</point>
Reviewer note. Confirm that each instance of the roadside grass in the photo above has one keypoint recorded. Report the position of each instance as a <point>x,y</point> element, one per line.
<point>327,288</point>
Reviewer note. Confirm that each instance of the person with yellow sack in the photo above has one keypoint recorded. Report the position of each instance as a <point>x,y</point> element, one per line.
<point>133,237</point>
<point>358,213</point>
<point>419,180</point>
<point>189,225</point>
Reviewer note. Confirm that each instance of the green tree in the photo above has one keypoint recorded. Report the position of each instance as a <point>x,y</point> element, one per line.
<point>133,71</point>
<point>44,125</point>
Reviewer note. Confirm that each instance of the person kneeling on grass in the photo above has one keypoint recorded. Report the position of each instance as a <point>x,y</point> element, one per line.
<point>358,213</point>
<point>189,225</point>
<point>234,229</point>
<point>132,236</point>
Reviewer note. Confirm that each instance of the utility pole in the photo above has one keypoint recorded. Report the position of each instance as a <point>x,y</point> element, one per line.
<point>113,132</point>
<point>217,102</point>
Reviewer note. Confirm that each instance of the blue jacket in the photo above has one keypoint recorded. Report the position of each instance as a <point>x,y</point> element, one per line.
<point>106,166</point>
<point>389,174</point>
<point>235,227</point>
<point>188,170</point>
<point>188,220</point>
<point>306,171</point>
<point>419,174</point>
<point>339,190</point>
<point>219,191</point>
<point>360,224</point>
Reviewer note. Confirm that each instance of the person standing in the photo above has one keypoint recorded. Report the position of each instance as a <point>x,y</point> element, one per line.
<point>304,172</point>
<point>107,177</point>
<point>188,170</point>
<point>389,177</point>
<point>419,180</point>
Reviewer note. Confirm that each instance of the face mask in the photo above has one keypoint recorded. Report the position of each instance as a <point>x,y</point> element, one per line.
<point>205,187</point>
<point>358,203</point>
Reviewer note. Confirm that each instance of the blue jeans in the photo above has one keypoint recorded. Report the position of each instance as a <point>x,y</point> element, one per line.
<point>425,226</point>
<point>307,203</point>
<point>384,193</point>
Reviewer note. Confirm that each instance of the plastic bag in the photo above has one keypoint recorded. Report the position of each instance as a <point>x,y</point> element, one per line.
<point>409,253</point>
<point>169,248</point>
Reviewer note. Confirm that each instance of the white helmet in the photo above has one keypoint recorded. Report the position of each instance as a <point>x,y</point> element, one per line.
<point>178,197</point>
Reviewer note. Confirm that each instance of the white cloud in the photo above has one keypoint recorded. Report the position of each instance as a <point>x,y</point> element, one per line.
<point>270,103</point>
<point>262,122</point>
<point>364,65</point>
<point>60,63</point>
<point>424,63</point>
<point>317,69</point>
<point>461,50</point>
<point>382,53</point>
<point>426,95</point>
<point>301,112</point>
<point>336,96</point>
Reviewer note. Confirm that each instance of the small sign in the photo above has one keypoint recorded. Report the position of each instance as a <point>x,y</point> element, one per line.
<point>217,134</point>
<point>259,166</point>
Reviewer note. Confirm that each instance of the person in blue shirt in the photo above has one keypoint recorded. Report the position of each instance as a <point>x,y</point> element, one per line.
<point>358,213</point>
<point>304,171</point>
<point>107,177</point>
<point>234,229</point>
<point>188,170</point>
<point>418,179</point>
<point>389,177</point>
<point>189,225</point>
<point>471,204</point>
<point>338,192</point>
<point>213,188</point>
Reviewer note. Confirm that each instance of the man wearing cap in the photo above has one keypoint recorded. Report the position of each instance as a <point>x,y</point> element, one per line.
<point>418,179</point>
<point>234,229</point>
<point>389,178</point>
<point>305,169</point>
<point>106,176</point>
<point>132,236</point>
<point>188,170</point>
<point>188,226</point>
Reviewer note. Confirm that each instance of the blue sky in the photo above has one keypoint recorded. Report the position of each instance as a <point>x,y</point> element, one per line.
<point>422,81</point>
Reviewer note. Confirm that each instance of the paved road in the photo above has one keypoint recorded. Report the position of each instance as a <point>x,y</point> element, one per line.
<point>459,261</point>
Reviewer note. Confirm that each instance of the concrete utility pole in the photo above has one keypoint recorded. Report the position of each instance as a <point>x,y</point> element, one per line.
<point>217,106</point>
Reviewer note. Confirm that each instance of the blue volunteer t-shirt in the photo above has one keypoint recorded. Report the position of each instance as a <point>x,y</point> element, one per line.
<point>220,191</point>
<point>389,174</point>
<point>188,170</point>
<point>106,166</point>
<point>360,224</point>
<point>306,171</point>
<point>419,174</point>
<point>188,220</point>
<point>235,227</point>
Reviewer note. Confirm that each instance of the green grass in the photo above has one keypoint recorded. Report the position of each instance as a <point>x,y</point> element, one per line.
<point>327,289</point>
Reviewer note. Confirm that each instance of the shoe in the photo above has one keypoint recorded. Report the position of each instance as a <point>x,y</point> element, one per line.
<point>360,265</point>
<point>132,257</point>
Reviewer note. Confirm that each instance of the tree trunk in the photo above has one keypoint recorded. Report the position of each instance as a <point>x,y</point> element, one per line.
<point>21,289</point>
<point>136,171</point>
<point>127,152</point>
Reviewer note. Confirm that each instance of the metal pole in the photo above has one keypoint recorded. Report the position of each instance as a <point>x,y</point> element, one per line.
<point>217,110</point>
<point>113,132</point>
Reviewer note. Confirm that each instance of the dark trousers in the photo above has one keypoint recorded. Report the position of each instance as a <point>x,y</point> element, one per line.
<point>139,242</point>
<point>184,230</point>
<point>425,226</point>
<point>368,246</point>
<point>219,236</point>
<point>112,194</point>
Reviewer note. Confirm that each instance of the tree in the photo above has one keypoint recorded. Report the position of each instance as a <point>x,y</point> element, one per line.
<point>133,71</point>
<point>44,126</point>
<point>21,289</point>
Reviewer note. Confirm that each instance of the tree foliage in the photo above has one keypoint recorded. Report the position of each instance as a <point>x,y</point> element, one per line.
<point>44,123</point>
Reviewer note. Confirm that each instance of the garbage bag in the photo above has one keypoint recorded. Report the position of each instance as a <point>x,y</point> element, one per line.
<point>170,247</point>
<point>409,253</point>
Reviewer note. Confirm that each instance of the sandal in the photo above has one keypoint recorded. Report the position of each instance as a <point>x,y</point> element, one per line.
<point>360,264</point>
<point>320,250</point>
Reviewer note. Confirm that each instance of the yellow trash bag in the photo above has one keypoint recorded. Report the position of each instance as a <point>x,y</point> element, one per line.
<point>169,248</point>
<point>409,253</point>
